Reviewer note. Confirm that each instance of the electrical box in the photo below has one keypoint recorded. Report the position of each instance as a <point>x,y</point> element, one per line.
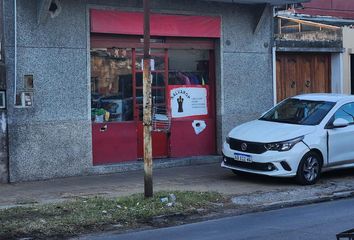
<point>27,99</point>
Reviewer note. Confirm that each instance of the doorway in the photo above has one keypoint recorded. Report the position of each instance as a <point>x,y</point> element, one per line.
<point>302,73</point>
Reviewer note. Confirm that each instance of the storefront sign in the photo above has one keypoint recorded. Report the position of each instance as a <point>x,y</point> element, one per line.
<point>188,102</point>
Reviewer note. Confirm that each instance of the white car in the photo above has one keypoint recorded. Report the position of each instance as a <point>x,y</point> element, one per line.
<point>299,137</point>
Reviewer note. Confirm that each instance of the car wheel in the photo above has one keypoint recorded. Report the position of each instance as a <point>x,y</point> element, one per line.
<point>309,169</point>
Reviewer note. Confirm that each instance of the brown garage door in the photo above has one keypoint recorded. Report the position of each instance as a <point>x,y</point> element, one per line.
<point>302,73</point>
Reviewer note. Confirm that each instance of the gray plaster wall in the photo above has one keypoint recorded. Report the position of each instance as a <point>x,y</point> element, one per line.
<point>53,139</point>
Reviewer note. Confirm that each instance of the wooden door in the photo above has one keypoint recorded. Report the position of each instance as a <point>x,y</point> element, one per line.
<point>302,73</point>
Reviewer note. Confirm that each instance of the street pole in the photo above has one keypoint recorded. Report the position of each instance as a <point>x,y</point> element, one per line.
<point>147,105</point>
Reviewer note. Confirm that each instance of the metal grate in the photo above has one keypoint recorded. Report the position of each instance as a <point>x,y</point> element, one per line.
<point>161,119</point>
<point>251,147</point>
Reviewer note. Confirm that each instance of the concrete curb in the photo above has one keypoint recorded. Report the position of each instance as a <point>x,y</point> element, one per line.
<point>158,164</point>
<point>313,200</point>
<point>247,209</point>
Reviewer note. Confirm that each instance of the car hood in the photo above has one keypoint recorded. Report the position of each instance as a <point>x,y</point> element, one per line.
<point>267,132</point>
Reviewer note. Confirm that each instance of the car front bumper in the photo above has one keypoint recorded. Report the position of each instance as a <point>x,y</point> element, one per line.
<point>270,163</point>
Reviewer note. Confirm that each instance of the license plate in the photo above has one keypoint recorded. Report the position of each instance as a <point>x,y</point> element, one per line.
<point>243,157</point>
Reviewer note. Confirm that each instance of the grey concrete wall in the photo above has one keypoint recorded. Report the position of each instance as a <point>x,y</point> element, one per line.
<point>247,83</point>
<point>4,163</point>
<point>4,173</point>
<point>53,139</point>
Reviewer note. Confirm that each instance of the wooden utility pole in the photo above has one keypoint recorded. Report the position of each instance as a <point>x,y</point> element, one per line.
<point>147,104</point>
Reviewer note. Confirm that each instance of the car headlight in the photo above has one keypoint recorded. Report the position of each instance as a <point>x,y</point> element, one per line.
<point>228,140</point>
<point>283,146</point>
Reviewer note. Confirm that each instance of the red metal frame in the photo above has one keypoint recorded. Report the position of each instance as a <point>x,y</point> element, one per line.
<point>104,41</point>
<point>160,141</point>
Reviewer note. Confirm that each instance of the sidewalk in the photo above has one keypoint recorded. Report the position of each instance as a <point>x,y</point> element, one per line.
<point>253,190</point>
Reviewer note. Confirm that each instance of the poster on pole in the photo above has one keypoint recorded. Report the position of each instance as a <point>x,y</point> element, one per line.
<point>188,101</point>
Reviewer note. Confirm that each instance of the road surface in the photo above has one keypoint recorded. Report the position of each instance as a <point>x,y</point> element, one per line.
<point>316,221</point>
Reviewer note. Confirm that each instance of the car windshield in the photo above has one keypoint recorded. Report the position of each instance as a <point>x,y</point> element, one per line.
<point>297,111</point>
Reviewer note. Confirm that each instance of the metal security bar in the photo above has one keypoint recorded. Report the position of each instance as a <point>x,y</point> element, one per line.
<point>161,119</point>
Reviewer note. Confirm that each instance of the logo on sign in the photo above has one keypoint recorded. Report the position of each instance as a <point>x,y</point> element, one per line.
<point>180,103</point>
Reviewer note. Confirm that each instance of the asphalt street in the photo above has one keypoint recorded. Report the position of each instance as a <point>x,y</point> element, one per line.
<point>316,221</point>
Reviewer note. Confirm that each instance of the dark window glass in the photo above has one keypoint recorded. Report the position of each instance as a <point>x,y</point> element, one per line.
<point>297,111</point>
<point>346,112</point>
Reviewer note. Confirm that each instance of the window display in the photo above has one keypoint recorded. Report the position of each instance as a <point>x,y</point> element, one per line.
<point>111,85</point>
<point>188,67</point>
<point>117,86</point>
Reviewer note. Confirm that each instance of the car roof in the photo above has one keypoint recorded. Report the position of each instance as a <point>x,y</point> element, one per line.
<point>329,97</point>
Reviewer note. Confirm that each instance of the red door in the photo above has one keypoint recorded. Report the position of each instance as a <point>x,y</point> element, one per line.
<point>159,72</point>
<point>114,128</point>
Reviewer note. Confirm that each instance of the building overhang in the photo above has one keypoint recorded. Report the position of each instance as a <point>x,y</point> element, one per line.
<point>43,6</point>
<point>270,2</point>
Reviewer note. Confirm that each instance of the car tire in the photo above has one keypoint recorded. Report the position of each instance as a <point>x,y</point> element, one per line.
<point>309,169</point>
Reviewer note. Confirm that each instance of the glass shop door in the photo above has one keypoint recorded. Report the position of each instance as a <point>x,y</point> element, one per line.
<point>159,72</point>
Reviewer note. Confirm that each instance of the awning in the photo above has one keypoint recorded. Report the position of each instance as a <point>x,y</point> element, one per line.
<point>130,23</point>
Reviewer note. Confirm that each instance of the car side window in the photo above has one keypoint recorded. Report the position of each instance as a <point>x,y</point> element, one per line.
<point>346,112</point>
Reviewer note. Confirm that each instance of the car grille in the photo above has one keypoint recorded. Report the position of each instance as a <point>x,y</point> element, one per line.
<point>252,147</point>
<point>265,167</point>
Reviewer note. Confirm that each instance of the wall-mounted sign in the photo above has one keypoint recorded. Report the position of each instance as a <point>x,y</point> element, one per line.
<point>188,101</point>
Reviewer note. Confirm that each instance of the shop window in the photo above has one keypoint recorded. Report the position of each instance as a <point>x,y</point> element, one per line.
<point>111,85</point>
<point>188,67</point>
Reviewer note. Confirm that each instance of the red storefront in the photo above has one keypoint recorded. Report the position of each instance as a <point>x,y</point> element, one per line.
<point>183,85</point>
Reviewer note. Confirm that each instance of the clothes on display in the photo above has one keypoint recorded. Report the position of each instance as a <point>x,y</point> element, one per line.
<point>188,78</point>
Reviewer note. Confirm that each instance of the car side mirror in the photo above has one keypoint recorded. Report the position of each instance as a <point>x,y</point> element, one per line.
<point>340,123</point>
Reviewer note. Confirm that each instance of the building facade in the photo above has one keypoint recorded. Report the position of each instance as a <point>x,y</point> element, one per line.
<point>74,80</point>
<point>314,49</point>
